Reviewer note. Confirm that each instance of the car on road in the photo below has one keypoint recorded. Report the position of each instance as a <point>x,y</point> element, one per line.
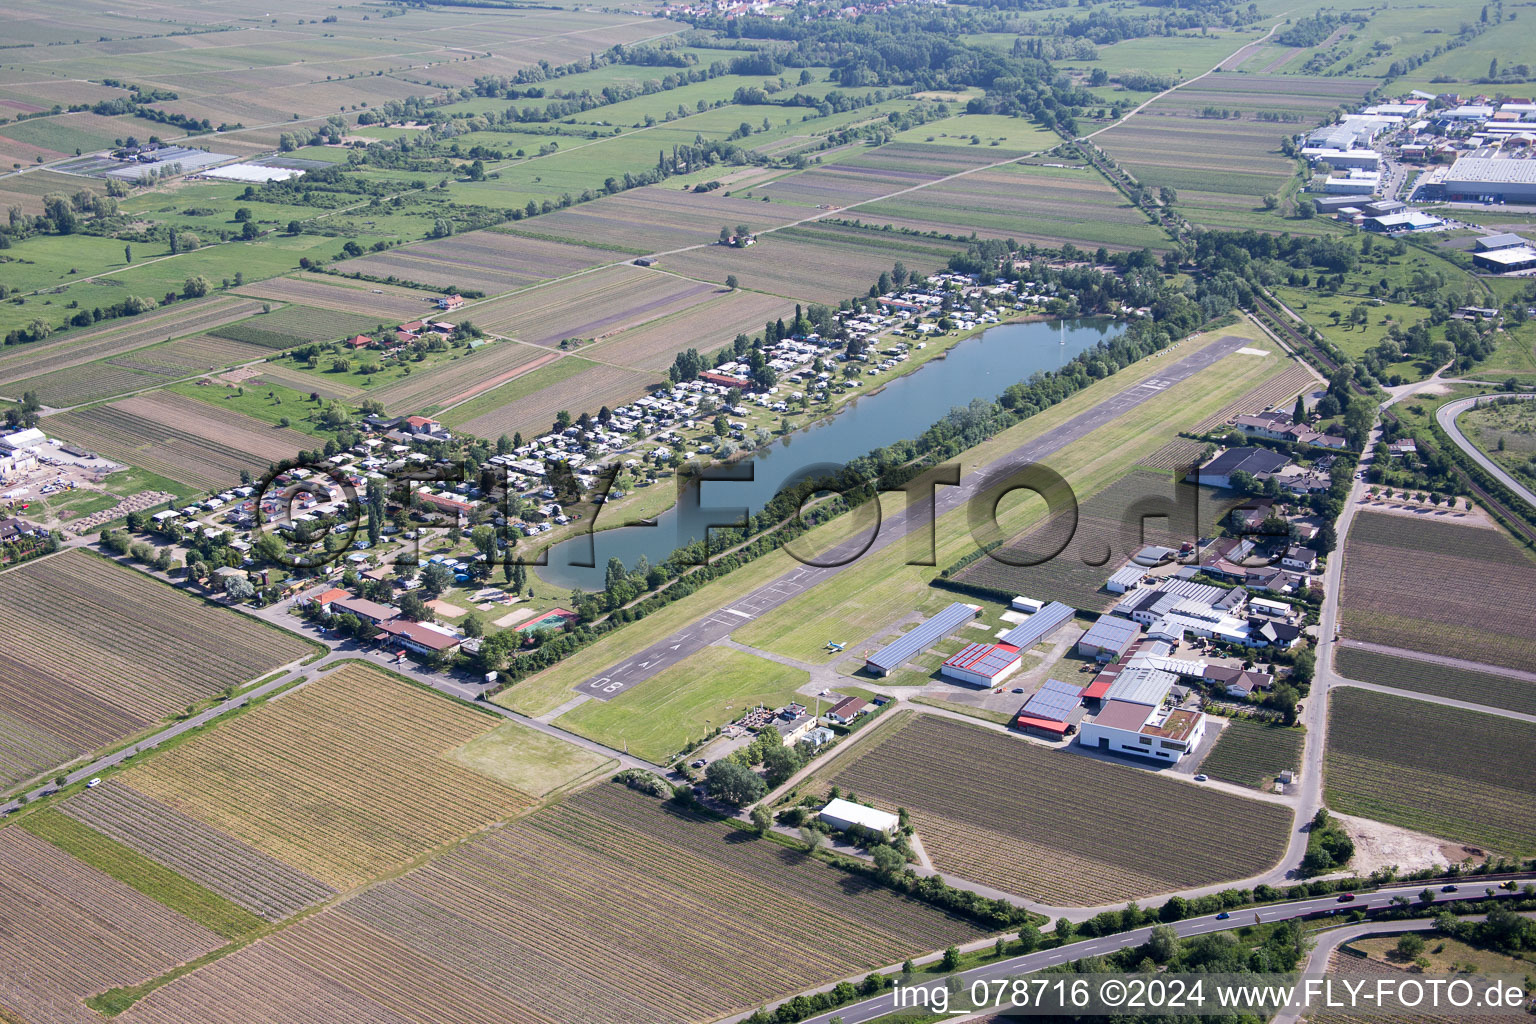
<point>1347,897</point>
<point>1202,777</point>
<point>93,784</point>
<point>1448,888</point>
<point>1018,689</point>
<point>1223,916</point>
<point>700,763</point>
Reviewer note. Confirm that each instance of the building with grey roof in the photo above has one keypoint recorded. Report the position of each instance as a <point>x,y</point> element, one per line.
<point>1491,179</point>
<point>1108,638</point>
<point>917,640</point>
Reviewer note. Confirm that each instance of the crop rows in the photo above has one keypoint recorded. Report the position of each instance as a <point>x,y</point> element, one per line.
<point>94,687</point>
<point>76,385</point>
<point>71,931</point>
<point>362,299</point>
<point>591,305</point>
<point>295,325</point>
<point>196,851</point>
<point>458,378</point>
<point>586,390</point>
<point>656,219</point>
<point>199,352</point>
<point>1052,825</point>
<point>1488,688</point>
<point>1454,779</point>
<point>488,261</point>
<point>1472,589</point>
<point>814,267</point>
<point>653,345</point>
<point>342,779</point>
<point>1270,394</point>
<point>148,329</point>
<point>26,751</point>
<point>180,438</point>
<point>839,185</point>
<point>1251,754</point>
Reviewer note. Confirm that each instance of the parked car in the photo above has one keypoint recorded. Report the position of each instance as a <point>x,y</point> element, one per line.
<point>700,763</point>
<point>93,784</point>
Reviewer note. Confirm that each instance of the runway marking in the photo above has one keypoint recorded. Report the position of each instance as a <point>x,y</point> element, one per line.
<point>733,611</point>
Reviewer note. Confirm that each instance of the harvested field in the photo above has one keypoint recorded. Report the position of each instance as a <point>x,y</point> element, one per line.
<point>712,322</point>
<point>815,263</point>
<point>296,325</point>
<point>1477,607</point>
<point>1252,754</point>
<point>1063,558</point>
<point>1008,813</point>
<point>462,378</point>
<point>71,931</point>
<point>1488,688</point>
<point>529,403</point>
<point>120,338</point>
<point>359,297</point>
<point>342,780</point>
<point>653,219</point>
<point>82,695</point>
<point>591,306</point>
<point>180,438</point>
<point>196,851</point>
<point>1432,784</point>
<point>536,921</point>
<point>486,261</point>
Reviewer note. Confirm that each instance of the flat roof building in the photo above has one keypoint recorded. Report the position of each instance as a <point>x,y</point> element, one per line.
<point>1496,179</point>
<point>1503,240</point>
<point>844,814</point>
<point>982,665</point>
<point>1505,261</point>
<point>1053,711</point>
<point>912,643</point>
<point>1108,638</point>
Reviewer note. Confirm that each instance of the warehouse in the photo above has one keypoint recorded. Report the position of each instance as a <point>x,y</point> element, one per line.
<point>1038,626</point>
<point>1503,240</point>
<point>1128,578</point>
<point>1053,712</point>
<point>1506,261</point>
<point>1395,223</point>
<point>844,814</point>
<point>1108,638</point>
<point>909,645</point>
<point>1491,179</point>
<point>1133,719</point>
<point>982,665</point>
<point>1365,159</point>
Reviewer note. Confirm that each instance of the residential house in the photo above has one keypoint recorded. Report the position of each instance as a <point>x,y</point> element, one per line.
<point>1300,559</point>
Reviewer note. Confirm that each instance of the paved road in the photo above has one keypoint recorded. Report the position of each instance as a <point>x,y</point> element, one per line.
<point>718,625</point>
<point>1446,417</point>
<point>1440,659</point>
<point>869,1009</point>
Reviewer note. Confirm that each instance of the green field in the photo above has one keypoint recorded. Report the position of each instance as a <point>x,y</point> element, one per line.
<point>529,761</point>
<point>673,710</point>
<point>1439,770</point>
<point>1506,433</point>
<point>1491,689</point>
<point>1252,754</point>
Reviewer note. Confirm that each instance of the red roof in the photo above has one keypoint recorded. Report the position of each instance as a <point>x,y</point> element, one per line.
<point>1046,724</point>
<point>334,594</point>
<point>1098,688</point>
<point>360,341</point>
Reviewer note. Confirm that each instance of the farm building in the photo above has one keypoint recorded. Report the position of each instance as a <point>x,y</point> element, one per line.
<point>1495,179</point>
<point>1038,626</point>
<point>912,643</point>
<point>847,709</point>
<point>1128,578</point>
<point>1256,462</point>
<point>1053,712</point>
<point>1027,605</point>
<point>1108,638</point>
<point>254,174</point>
<point>982,665</point>
<point>844,814</point>
<point>421,637</point>
<point>1504,261</point>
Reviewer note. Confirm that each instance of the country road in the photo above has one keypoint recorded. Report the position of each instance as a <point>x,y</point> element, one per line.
<point>1446,416</point>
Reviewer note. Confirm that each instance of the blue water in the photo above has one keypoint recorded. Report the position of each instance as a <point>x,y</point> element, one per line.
<point>982,366</point>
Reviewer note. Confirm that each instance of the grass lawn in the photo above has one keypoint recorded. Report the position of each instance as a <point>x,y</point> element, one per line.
<point>673,711</point>
<point>529,761</point>
<point>159,883</point>
<point>1447,955</point>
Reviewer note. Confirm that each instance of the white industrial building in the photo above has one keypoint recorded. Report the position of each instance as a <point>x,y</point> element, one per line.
<point>844,814</point>
<point>16,440</point>
<point>1135,720</point>
<point>1491,179</point>
<point>1365,159</point>
<point>982,665</point>
<point>1355,183</point>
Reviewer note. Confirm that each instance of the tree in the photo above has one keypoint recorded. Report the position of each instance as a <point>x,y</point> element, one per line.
<point>1410,945</point>
<point>762,820</point>
<point>414,608</point>
<point>888,860</point>
<point>731,282</point>
<point>951,961</point>
<point>734,783</point>
<point>780,762</point>
<point>195,287</point>
<point>127,254</point>
<point>1030,939</point>
<point>1163,943</point>
<point>813,838</point>
<point>1299,414</point>
<point>239,588</point>
<point>435,579</point>
<point>472,625</point>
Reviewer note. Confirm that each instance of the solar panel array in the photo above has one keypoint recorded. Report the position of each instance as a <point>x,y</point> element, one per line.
<point>911,644</point>
<point>1038,626</point>
<point>1054,701</point>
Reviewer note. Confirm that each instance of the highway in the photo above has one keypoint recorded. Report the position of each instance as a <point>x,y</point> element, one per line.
<point>1446,417</point>
<point>716,626</point>
<point>878,1006</point>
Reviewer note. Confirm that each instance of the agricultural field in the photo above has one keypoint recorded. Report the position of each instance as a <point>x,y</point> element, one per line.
<point>713,322</point>
<point>529,404</point>
<point>296,325</point>
<point>72,931</point>
<point>1488,688</point>
<point>342,780</point>
<point>180,438</point>
<point>537,922</point>
<point>26,191</point>
<point>1278,392</point>
<point>1252,753</point>
<point>1004,812</point>
<point>590,306</point>
<point>461,378</point>
<point>815,262</point>
<point>118,338</point>
<point>196,851</point>
<point>674,710</point>
<point>530,761</point>
<point>1431,784</point>
<point>487,261</point>
<point>1025,202</point>
<point>58,701</point>
<point>652,219</point>
<point>1062,558</point>
<point>1472,589</point>
<point>360,297</point>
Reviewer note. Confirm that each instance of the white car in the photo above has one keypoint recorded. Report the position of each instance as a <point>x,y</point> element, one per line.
<point>93,784</point>
<point>1202,777</point>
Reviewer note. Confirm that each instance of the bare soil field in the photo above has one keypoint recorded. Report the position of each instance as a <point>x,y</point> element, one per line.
<point>343,779</point>
<point>654,219</point>
<point>180,438</point>
<point>82,695</point>
<point>1005,812</point>
<point>487,261</point>
<point>1472,589</point>
<point>591,306</point>
<point>71,931</point>
<point>360,297</point>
